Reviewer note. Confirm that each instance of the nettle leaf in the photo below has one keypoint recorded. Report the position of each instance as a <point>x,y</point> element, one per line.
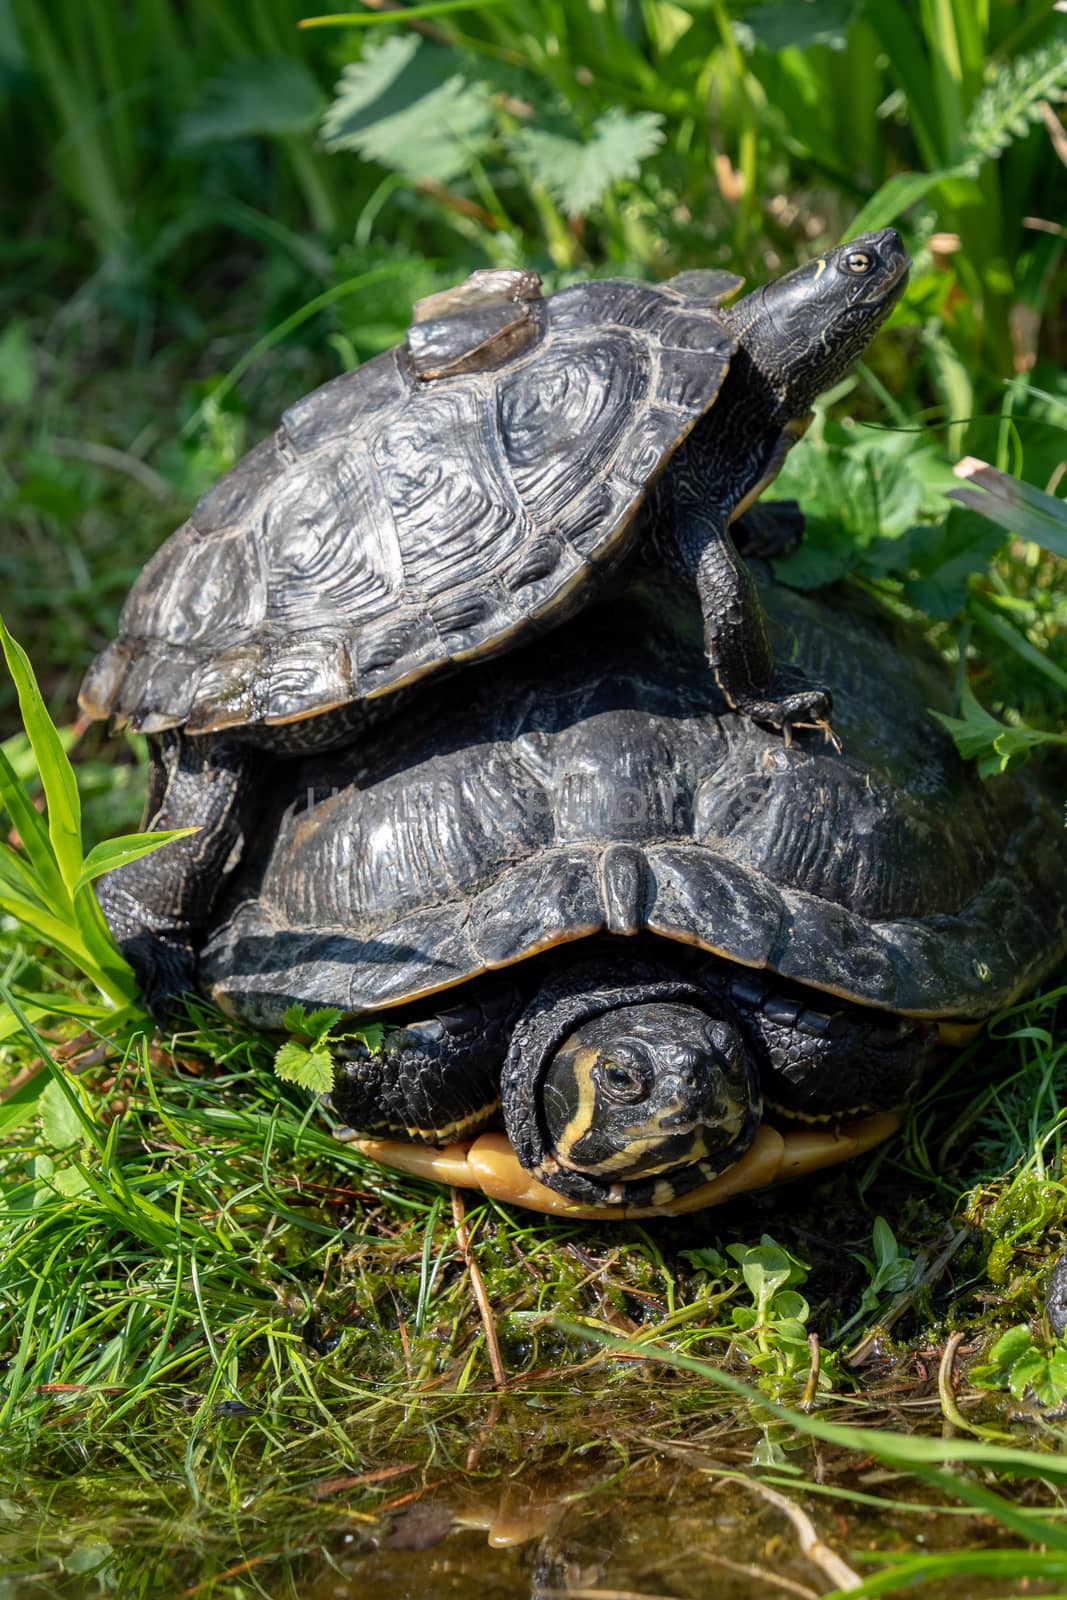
<point>579,172</point>
<point>311,1069</point>
<point>401,106</point>
<point>260,95</point>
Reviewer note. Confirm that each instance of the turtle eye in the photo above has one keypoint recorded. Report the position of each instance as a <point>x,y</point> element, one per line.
<point>859,261</point>
<point>621,1083</point>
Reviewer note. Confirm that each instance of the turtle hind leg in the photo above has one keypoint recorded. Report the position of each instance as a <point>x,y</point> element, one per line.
<point>436,1078</point>
<point>735,630</point>
<point>157,906</point>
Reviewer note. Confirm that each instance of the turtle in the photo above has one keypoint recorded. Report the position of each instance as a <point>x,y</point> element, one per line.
<point>672,955</point>
<point>442,503</point>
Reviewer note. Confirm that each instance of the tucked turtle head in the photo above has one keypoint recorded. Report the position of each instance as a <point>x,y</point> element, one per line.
<point>804,330</point>
<point>635,1095</point>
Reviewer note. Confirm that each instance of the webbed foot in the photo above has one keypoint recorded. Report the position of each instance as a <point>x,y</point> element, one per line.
<point>804,708</point>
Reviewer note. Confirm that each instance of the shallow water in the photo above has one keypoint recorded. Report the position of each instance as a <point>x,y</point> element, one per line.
<point>657,1510</point>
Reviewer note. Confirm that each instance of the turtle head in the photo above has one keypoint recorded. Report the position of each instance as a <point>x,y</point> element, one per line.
<point>804,330</point>
<point>628,1094</point>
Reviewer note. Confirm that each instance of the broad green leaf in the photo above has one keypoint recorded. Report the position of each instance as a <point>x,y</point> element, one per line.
<point>785,24</point>
<point>112,853</point>
<point>60,1123</point>
<point>1016,506</point>
<point>311,1069</point>
<point>57,774</point>
<point>401,105</point>
<point>579,172</point>
<point>942,560</point>
<point>258,95</point>
<point>17,372</point>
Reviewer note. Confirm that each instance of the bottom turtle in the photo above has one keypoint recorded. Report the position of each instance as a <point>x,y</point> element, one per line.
<point>672,958</point>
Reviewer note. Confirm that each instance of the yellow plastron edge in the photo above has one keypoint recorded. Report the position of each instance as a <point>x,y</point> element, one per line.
<point>489,1164</point>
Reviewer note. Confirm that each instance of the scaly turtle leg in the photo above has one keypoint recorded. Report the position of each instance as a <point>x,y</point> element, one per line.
<point>735,629</point>
<point>157,906</point>
<point>436,1079</point>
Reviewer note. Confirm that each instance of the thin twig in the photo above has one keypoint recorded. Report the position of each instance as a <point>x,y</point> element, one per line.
<point>771,1580</point>
<point>500,1377</point>
<point>807,1399</point>
<point>839,1572</point>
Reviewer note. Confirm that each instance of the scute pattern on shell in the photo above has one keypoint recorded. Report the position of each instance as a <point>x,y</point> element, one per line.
<point>394,525</point>
<point>599,784</point>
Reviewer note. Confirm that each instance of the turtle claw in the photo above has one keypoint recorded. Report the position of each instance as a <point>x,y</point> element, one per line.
<point>806,708</point>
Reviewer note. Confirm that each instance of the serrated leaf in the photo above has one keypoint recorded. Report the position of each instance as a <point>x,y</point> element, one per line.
<point>402,106</point>
<point>260,95</point>
<point>579,172</point>
<point>60,1125</point>
<point>371,1034</point>
<point>1011,102</point>
<point>313,1024</point>
<point>311,1069</point>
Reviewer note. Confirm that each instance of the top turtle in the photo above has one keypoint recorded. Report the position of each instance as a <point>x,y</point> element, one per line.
<point>442,502</point>
<point>438,503</point>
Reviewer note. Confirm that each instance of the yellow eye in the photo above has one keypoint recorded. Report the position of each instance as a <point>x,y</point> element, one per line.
<point>859,261</point>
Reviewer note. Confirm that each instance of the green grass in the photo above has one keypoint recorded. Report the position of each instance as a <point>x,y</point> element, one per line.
<point>210,1313</point>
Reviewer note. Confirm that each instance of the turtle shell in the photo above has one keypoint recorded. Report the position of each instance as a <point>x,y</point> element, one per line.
<point>599,785</point>
<point>432,506</point>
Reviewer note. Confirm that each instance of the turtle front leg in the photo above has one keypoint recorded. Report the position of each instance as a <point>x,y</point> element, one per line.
<point>436,1079</point>
<point>818,1065</point>
<point>735,629</point>
<point>157,907</point>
